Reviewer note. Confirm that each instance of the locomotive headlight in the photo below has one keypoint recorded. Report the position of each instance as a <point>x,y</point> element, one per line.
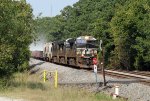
<point>79,51</point>
<point>86,37</point>
<point>95,51</point>
<point>87,51</point>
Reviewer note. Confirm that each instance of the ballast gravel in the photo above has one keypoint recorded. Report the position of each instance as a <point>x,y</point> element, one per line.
<point>128,88</point>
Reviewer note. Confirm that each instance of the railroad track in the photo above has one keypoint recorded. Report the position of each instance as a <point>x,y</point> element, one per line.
<point>142,73</point>
<point>144,78</point>
<point>139,76</point>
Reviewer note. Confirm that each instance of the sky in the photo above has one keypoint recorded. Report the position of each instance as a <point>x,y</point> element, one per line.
<point>48,8</point>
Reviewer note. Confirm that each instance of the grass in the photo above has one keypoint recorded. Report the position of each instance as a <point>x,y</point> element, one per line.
<point>31,88</point>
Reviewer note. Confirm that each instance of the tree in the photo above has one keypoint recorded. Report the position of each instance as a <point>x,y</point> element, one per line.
<point>16,33</point>
<point>123,25</point>
<point>130,27</point>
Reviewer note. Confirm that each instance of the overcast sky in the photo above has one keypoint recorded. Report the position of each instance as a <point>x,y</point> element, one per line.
<point>49,7</point>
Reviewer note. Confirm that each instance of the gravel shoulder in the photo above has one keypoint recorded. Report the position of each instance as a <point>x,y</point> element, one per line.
<point>128,88</point>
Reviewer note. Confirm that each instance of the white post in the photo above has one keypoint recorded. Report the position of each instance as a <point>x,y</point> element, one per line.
<point>116,92</point>
<point>95,68</point>
<point>95,71</point>
<point>100,45</point>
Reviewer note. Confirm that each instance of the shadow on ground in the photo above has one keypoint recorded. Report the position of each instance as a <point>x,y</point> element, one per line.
<point>33,70</point>
<point>124,81</point>
<point>32,66</point>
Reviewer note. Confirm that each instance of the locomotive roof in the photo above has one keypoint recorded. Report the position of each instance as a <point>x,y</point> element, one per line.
<point>61,42</point>
<point>58,42</point>
<point>86,38</point>
<point>70,40</point>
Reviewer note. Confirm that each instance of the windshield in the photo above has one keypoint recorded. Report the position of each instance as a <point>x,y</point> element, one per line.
<point>93,42</point>
<point>80,41</point>
<point>86,42</point>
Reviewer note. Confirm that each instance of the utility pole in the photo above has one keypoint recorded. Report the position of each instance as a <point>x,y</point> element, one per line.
<point>51,12</point>
<point>101,61</point>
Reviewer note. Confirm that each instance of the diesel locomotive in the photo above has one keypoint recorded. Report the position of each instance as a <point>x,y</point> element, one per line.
<point>79,51</point>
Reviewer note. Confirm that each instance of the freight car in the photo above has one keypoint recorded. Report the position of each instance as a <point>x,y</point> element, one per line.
<point>37,54</point>
<point>73,51</point>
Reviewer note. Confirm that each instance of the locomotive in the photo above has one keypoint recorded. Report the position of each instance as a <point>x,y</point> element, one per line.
<point>78,52</point>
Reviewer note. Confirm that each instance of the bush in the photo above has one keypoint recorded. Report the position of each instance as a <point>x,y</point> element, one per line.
<point>16,35</point>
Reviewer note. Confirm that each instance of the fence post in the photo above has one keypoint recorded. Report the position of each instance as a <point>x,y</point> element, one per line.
<point>44,76</point>
<point>56,79</point>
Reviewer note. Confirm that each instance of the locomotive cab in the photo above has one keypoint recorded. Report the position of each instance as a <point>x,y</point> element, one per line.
<point>87,47</point>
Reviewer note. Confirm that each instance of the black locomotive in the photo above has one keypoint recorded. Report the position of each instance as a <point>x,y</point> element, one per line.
<point>79,52</point>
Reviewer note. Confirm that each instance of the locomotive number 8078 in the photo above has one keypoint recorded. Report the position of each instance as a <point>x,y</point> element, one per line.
<point>81,51</point>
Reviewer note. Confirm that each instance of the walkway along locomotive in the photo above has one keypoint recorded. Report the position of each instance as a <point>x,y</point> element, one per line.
<point>79,51</point>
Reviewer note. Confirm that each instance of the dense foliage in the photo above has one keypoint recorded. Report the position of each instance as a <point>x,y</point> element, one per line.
<point>15,36</point>
<point>123,25</point>
<point>130,29</point>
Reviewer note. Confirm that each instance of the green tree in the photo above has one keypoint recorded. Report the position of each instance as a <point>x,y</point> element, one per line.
<point>123,25</point>
<point>130,27</point>
<point>16,33</point>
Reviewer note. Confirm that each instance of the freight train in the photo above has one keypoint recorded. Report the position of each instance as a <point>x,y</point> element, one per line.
<point>80,52</point>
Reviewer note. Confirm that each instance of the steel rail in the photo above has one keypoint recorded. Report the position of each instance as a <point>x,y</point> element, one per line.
<point>128,74</point>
